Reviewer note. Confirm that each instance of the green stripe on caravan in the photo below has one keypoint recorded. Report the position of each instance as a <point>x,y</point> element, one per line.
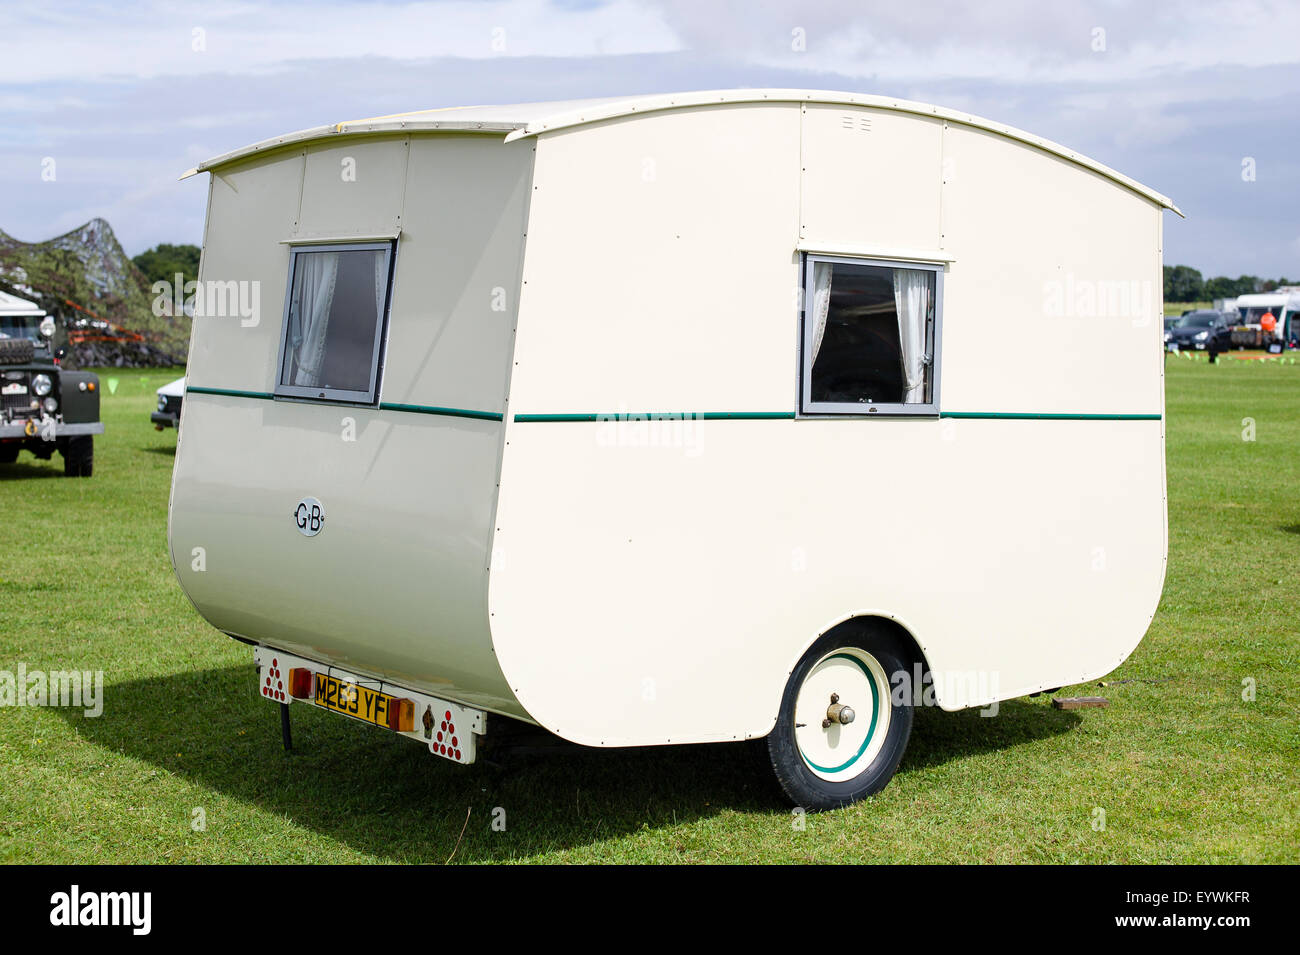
<point>662,416</point>
<point>686,415</point>
<point>787,415</point>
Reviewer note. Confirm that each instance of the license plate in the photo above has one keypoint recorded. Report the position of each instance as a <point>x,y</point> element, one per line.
<point>14,389</point>
<point>364,704</point>
<point>450,730</point>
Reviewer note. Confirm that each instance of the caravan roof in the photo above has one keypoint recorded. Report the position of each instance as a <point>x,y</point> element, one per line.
<point>531,119</point>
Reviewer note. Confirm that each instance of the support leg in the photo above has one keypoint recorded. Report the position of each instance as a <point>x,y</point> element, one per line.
<point>284,727</point>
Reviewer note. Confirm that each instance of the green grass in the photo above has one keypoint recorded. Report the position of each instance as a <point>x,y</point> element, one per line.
<point>1185,770</point>
<point>1174,309</point>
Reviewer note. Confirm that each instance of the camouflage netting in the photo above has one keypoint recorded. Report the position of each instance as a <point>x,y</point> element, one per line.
<point>120,355</point>
<point>97,295</point>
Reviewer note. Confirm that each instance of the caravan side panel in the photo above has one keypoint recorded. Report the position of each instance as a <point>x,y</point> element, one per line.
<point>660,580</point>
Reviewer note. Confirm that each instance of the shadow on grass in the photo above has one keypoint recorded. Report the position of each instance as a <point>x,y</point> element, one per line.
<point>31,468</point>
<point>169,450</point>
<point>1290,528</point>
<point>385,796</point>
<point>939,736</point>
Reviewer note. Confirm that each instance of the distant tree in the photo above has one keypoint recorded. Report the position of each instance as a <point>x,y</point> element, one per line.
<point>1220,287</point>
<point>163,262</point>
<point>1183,284</point>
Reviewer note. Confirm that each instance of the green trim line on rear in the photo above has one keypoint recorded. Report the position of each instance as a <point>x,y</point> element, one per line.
<point>410,409</point>
<point>227,392</point>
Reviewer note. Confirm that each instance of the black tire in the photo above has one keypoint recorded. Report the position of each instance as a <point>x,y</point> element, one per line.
<point>9,452</point>
<point>794,773</point>
<point>79,456</point>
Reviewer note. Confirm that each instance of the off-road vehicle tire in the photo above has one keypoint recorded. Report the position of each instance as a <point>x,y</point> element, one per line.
<point>79,456</point>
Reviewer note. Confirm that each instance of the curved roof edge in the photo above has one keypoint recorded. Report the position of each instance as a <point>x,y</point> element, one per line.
<point>535,119</point>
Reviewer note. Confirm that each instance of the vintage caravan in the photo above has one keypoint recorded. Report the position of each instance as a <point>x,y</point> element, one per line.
<point>716,416</point>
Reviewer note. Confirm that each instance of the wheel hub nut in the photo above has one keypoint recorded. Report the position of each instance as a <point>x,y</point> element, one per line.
<point>838,712</point>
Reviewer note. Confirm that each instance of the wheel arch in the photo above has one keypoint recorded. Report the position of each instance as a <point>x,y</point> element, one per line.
<point>862,622</point>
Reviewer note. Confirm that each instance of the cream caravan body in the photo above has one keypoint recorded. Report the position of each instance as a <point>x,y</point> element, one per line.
<point>588,485</point>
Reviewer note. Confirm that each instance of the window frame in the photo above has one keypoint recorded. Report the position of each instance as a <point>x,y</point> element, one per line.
<point>934,336</point>
<point>338,395</point>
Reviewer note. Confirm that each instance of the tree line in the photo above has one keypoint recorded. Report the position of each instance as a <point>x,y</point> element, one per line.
<point>163,262</point>
<point>1185,284</point>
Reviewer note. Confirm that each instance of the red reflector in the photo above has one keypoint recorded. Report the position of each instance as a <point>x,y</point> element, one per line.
<point>300,681</point>
<point>401,715</point>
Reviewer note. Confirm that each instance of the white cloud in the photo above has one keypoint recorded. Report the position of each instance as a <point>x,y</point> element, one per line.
<point>166,38</point>
<point>1026,41</point>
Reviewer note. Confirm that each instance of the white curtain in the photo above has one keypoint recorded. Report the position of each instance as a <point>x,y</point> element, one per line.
<point>381,284</point>
<point>317,273</point>
<point>912,303</point>
<point>821,304</point>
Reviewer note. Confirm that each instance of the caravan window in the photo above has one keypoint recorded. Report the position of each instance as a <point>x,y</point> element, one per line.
<point>334,321</point>
<point>870,336</point>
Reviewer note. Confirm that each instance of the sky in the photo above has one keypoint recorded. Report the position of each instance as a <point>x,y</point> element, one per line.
<point>104,105</point>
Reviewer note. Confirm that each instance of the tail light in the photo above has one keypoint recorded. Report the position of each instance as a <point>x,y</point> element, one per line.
<point>401,715</point>
<point>300,683</point>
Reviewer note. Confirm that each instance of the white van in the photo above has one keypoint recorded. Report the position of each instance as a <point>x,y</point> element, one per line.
<point>676,419</point>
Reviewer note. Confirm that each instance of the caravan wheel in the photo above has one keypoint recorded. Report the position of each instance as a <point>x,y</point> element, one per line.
<point>840,736</point>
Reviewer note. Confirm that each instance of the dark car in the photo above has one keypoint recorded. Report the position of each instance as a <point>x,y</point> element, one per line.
<point>44,407</point>
<point>1194,329</point>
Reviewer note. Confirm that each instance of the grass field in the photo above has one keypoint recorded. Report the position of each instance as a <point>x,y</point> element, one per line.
<point>1174,309</point>
<point>1184,768</point>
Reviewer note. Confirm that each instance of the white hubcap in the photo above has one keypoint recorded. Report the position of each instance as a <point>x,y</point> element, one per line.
<point>841,751</point>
